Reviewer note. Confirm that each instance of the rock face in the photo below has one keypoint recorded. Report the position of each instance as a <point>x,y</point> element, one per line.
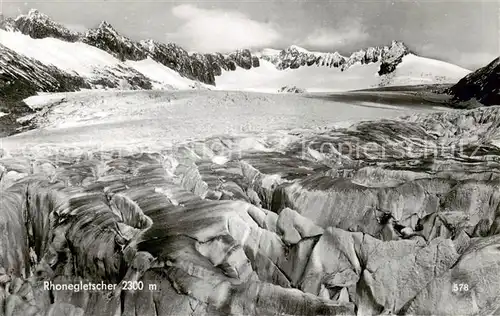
<point>294,57</point>
<point>202,67</point>
<point>199,67</point>
<point>405,221</point>
<point>390,57</point>
<point>39,25</point>
<point>7,24</point>
<point>243,58</point>
<point>106,38</point>
<point>22,77</point>
<point>483,85</point>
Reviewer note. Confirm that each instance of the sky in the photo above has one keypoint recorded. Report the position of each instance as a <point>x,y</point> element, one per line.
<point>466,33</point>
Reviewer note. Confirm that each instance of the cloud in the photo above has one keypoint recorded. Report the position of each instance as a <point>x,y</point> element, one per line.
<point>209,30</point>
<point>349,33</point>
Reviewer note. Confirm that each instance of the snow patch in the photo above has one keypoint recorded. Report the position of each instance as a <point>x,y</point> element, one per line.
<point>78,58</point>
<point>413,70</point>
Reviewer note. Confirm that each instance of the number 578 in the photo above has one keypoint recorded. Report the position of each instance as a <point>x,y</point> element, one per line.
<point>460,287</point>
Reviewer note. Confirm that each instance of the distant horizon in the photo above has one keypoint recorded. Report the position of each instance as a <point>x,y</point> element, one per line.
<point>224,26</point>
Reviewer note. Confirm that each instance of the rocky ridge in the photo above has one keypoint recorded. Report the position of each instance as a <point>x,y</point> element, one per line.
<point>7,24</point>
<point>38,25</point>
<point>296,225</point>
<point>294,57</point>
<point>199,67</point>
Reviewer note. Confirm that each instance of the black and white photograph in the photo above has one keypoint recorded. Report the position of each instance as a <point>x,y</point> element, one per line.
<point>249,157</point>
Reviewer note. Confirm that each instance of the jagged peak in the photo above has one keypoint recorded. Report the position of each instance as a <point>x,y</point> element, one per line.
<point>7,23</point>
<point>400,45</point>
<point>106,27</point>
<point>297,48</point>
<point>39,25</point>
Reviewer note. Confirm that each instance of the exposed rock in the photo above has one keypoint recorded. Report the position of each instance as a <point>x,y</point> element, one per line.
<point>7,24</point>
<point>295,57</point>
<point>106,38</point>
<point>202,67</point>
<point>22,77</point>
<point>391,57</point>
<point>481,85</point>
<point>294,89</point>
<point>38,25</point>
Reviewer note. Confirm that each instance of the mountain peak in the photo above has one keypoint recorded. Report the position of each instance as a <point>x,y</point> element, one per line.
<point>298,49</point>
<point>295,56</point>
<point>107,28</point>
<point>105,37</point>
<point>7,24</point>
<point>39,25</point>
<point>35,13</point>
<point>105,25</point>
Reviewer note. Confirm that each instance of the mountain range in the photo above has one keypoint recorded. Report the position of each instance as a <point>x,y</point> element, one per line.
<point>46,61</point>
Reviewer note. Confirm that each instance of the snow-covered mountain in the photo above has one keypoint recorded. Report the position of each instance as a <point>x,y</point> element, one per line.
<point>294,57</point>
<point>409,70</point>
<point>197,67</point>
<point>103,58</point>
<point>38,25</point>
<point>483,85</point>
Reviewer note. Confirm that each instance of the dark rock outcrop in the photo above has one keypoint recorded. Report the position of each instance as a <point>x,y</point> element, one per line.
<point>295,57</point>
<point>105,37</point>
<point>483,85</point>
<point>294,89</point>
<point>391,57</point>
<point>196,66</point>
<point>7,24</point>
<point>242,58</point>
<point>22,77</point>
